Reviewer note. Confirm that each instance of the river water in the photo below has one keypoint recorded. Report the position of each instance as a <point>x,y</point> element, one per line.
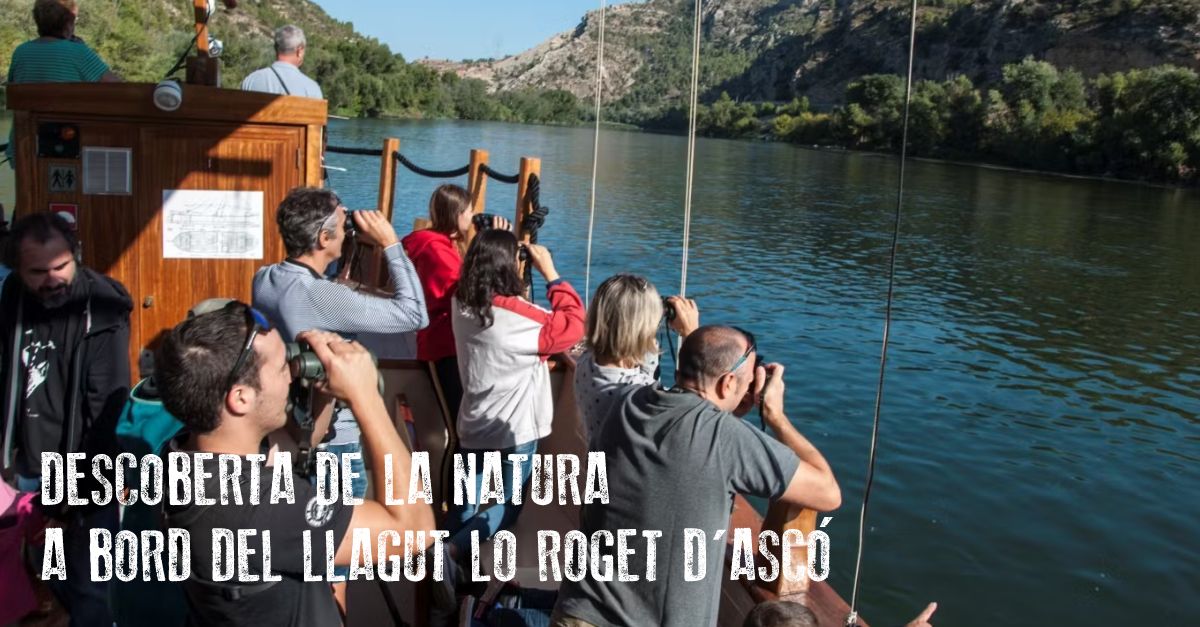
<point>1039,453</point>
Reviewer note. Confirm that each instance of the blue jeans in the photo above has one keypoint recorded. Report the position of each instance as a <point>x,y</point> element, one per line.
<point>358,485</point>
<point>86,601</point>
<point>465,518</point>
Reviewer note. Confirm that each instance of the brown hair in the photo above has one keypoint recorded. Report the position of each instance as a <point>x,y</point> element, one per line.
<point>445,205</point>
<point>53,16</point>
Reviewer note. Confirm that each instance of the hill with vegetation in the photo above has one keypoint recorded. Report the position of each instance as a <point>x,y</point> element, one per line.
<point>141,39</point>
<point>1085,86</point>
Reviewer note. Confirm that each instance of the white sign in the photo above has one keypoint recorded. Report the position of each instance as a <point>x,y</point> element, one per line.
<point>210,224</point>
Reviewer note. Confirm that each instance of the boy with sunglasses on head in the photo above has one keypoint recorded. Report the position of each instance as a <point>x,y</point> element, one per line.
<point>225,375</point>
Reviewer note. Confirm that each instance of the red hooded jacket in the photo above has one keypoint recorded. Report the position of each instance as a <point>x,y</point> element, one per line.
<point>438,264</point>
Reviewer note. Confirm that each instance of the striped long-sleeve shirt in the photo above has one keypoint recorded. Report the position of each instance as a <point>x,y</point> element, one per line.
<point>297,298</point>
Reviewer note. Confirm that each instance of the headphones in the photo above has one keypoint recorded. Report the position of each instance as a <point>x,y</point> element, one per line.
<point>40,224</point>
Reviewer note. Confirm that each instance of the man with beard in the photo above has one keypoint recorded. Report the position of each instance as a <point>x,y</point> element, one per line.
<point>64,378</point>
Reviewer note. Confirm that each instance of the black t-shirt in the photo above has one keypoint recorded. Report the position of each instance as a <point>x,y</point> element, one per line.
<point>50,339</point>
<point>291,602</point>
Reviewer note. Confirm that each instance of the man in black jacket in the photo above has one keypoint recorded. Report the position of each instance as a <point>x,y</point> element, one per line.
<point>64,378</point>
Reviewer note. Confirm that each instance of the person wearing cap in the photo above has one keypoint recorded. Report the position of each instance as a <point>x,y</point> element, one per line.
<point>64,378</point>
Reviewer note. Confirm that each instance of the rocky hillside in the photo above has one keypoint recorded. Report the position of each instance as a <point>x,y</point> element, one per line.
<point>777,49</point>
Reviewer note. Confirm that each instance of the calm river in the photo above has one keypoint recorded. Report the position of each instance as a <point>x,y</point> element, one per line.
<point>1039,454</point>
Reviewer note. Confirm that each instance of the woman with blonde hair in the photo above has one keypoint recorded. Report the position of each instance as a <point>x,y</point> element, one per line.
<point>622,351</point>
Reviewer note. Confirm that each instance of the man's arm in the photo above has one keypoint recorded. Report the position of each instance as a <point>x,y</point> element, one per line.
<point>352,377</point>
<point>813,484</point>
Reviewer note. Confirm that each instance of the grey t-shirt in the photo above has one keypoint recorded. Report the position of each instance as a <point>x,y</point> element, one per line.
<point>674,461</point>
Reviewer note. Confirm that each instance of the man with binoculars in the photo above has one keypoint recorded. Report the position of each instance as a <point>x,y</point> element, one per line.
<point>225,375</point>
<point>296,295</point>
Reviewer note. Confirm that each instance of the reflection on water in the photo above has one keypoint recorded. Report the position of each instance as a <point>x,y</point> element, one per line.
<point>1040,436</point>
<point>1040,433</point>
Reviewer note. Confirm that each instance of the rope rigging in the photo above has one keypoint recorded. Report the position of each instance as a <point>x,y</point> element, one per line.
<point>512,179</point>
<point>587,273</point>
<point>852,618</point>
<point>533,221</point>
<point>691,150</point>
<point>433,174</point>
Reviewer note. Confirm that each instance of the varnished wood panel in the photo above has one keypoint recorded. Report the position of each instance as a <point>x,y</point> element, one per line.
<point>136,101</point>
<point>251,158</point>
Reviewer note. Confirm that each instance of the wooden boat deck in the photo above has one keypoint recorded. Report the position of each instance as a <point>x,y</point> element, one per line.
<point>409,383</point>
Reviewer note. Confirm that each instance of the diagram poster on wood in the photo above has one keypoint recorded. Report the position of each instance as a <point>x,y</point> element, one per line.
<point>210,224</point>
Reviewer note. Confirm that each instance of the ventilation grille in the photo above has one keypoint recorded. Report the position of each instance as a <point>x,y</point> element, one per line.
<point>107,170</point>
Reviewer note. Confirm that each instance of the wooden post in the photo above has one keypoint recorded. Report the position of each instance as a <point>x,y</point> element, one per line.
<point>200,9</point>
<point>780,518</point>
<point>476,191</point>
<point>387,177</point>
<point>477,180</point>
<point>529,166</point>
<point>374,269</point>
<point>202,69</point>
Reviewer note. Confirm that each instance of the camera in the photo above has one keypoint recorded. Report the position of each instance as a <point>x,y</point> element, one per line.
<point>484,221</point>
<point>668,308</point>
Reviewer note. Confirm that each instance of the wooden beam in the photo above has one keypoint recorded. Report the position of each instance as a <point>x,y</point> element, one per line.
<point>782,517</point>
<point>529,166</point>
<point>135,101</point>
<point>200,10</point>
<point>476,191</point>
<point>387,177</point>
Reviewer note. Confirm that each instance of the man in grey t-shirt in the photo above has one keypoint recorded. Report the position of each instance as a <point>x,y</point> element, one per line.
<point>675,459</point>
<point>284,75</point>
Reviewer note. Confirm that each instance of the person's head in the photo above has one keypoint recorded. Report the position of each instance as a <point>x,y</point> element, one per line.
<point>489,269</point>
<point>312,220</point>
<point>226,369</point>
<point>622,319</point>
<point>780,614</point>
<point>41,249</point>
<point>718,362</point>
<point>450,210</point>
<point>290,44</point>
<point>55,18</point>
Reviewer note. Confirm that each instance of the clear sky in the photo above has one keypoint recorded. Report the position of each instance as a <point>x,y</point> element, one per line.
<point>460,29</point>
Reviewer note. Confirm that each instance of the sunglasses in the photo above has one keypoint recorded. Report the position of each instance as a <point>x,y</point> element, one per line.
<point>258,324</point>
<point>750,348</point>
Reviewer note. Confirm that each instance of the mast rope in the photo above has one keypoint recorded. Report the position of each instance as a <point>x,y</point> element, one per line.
<point>852,618</point>
<point>587,273</point>
<point>691,151</point>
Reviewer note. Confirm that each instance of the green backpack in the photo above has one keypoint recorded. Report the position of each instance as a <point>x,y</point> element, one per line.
<point>144,428</point>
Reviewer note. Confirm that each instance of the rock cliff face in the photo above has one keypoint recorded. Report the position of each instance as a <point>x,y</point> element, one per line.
<point>777,49</point>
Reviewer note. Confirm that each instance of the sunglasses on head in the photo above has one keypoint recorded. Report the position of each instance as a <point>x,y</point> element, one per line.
<point>258,324</point>
<point>750,348</point>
